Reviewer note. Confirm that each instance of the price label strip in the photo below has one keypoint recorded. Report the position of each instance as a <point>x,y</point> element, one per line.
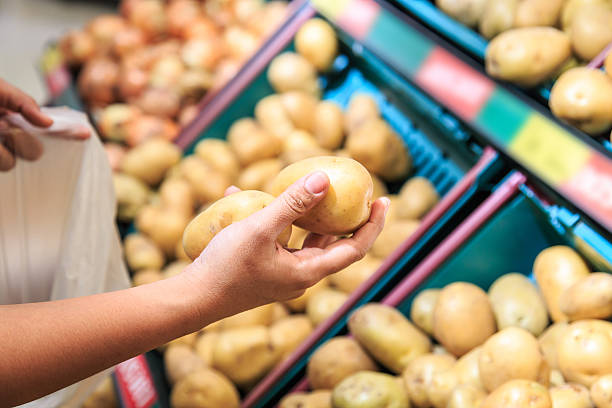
<point>135,384</point>
<point>556,156</point>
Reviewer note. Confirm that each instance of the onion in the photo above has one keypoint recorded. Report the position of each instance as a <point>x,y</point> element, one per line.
<point>77,47</point>
<point>103,29</point>
<point>240,43</point>
<point>148,127</point>
<point>150,17</point>
<point>127,40</point>
<point>188,114</point>
<point>98,80</point>
<point>203,54</point>
<point>220,11</point>
<point>201,27</point>
<point>166,72</point>
<point>132,81</point>
<point>181,14</point>
<point>194,83</point>
<point>159,102</point>
<point>266,21</point>
<point>226,70</point>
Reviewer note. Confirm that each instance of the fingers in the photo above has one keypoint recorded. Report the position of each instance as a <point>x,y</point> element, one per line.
<point>31,111</point>
<point>318,241</point>
<point>7,158</point>
<point>24,145</point>
<point>294,202</point>
<point>231,190</point>
<point>14,100</point>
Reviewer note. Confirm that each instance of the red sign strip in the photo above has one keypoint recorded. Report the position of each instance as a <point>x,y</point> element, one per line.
<point>135,383</point>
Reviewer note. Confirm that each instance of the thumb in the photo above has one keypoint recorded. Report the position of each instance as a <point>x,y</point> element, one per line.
<point>295,202</point>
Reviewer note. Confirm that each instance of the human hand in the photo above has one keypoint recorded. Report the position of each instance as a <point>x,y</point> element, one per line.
<point>244,266</point>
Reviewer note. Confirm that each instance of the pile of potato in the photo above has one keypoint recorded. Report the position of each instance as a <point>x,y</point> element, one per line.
<point>466,348</point>
<point>533,41</point>
<point>143,71</point>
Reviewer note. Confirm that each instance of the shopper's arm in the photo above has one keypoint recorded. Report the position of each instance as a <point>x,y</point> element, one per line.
<point>47,346</point>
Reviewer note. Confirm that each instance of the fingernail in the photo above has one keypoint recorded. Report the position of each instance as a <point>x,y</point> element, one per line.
<point>387,204</point>
<point>316,183</point>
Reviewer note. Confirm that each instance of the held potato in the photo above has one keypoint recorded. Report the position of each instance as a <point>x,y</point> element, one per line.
<point>556,269</point>
<point>549,341</point>
<point>498,17</point>
<point>272,116</point>
<point>298,236</point>
<point>422,310</point>
<point>601,392</point>
<point>150,160</point>
<point>300,107</point>
<point>251,143</point>
<point>207,183</point>
<point>570,396</point>
<point>206,388</point>
<point>589,298</point>
<point>324,303</point>
<point>394,233</point>
<point>351,277</point>
<point>583,98</point>
<point>517,303</point>
<point>361,109</point>
<point>419,374</point>
<point>221,214</point>
<point>369,389</point>
<point>463,318</point>
<point>292,72</point>
<point>379,148</point>
<point>585,351</point>
<point>255,176</point>
<point>527,56</point>
<point>417,196</point>
<point>348,201</point>
<point>288,333</point>
<point>132,194</point>
<point>513,353</point>
<point>328,125</point>
<point>519,393</point>
<point>533,13</point>
<point>219,155</point>
<point>316,41</point>
<point>467,12</point>
<point>388,336</point>
<point>142,253</point>
<point>466,396</point>
<point>179,361</point>
<point>591,30</point>
<point>338,358</point>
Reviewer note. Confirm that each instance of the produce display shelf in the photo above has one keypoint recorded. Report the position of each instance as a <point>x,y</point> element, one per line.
<point>503,235</point>
<point>564,160</point>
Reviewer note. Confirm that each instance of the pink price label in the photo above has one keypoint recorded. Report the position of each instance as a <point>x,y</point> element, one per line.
<point>592,186</point>
<point>358,17</point>
<point>135,383</point>
<point>58,80</point>
<point>454,83</point>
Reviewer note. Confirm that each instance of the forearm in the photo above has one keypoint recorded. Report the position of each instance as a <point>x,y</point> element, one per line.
<point>47,346</point>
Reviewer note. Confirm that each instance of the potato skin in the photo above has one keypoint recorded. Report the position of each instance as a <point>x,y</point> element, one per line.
<point>290,71</point>
<point>533,13</point>
<point>150,161</point>
<point>549,341</point>
<point>288,333</point>
<point>251,143</point>
<point>328,125</point>
<point>517,303</point>
<point>556,269</point>
<point>300,107</point>
<point>590,32</point>
<point>179,361</point>
<point>419,373</point>
<point>394,233</point>
<point>142,253</point>
<point>601,392</point>
<point>348,202</point>
<point>498,17</point>
<point>463,318</point>
<point>421,312</point>
<point>589,298</point>
<point>388,335</point>
<point>361,109</point>
<point>466,396</point>
<point>258,174</point>
<point>218,154</point>
<point>570,396</point>
<point>209,387</point>
<point>316,41</point>
<point>467,12</point>
<point>585,351</point>
<point>417,196</point>
<point>370,390</point>
<point>315,399</point>
<point>222,213</point>
<point>527,56</point>
<point>324,303</point>
<point>519,393</point>
<point>351,277</point>
<point>338,358</point>
<point>131,194</point>
<point>464,372</point>
<point>512,353</point>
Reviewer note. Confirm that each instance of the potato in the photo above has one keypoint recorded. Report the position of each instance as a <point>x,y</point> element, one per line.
<point>394,233</point>
<point>255,176</point>
<point>527,56</point>
<point>221,214</point>
<point>272,116</point>
<point>417,196</point>
<point>279,312</point>
<point>608,64</point>
<point>572,7</point>
<point>316,41</point>
<point>369,389</point>
<point>176,195</point>
<point>362,108</point>
<point>393,211</point>
<point>206,388</point>
<point>293,156</point>
<point>517,303</point>
<point>467,368</point>
<point>463,318</point>
<point>188,340</point>
<point>103,396</point>
<point>512,353</point>
<point>422,310</point>
<point>131,193</point>
<point>146,276</point>
<point>179,252</point>
<point>288,333</point>
<point>589,298</point>
<point>174,268</point>
<point>549,341</point>
<point>315,399</point>
<point>348,201</point>
<point>556,269</point>
<point>498,17</point>
<point>259,316</point>
<point>164,227</point>
<point>584,351</point>
<point>601,392</point>
<point>467,12</point>
<point>379,148</point>
<point>251,143</point>
<point>556,378</point>
<point>335,360</point>
<point>299,140</point>
<point>150,160</point>
<point>570,396</point>
<point>219,155</point>
<point>591,31</point>
<point>179,361</point>
<point>380,189</point>
<point>300,107</point>
<point>351,277</point>
<point>142,253</point>
<point>464,372</point>
<point>419,373</point>
<point>244,355</point>
<point>388,336</point>
<point>532,13</point>
<point>328,125</point>
<point>205,346</point>
<point>207,183</point>
<point>519,393</point>
<point>299,303</point>
<point>466,396</point>
<point>582,97</point>
<point>324,303</point>
<point>298,236</point>
<point>292,72</point>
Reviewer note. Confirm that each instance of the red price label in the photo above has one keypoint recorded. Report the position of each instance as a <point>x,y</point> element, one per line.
<point>358,17</point>
<point>135,383</point>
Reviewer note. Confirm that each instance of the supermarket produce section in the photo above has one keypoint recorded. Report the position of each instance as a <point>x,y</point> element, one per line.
<point>486,123</point>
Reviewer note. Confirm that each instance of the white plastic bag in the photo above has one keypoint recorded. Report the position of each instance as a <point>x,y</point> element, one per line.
<point>58,237</point>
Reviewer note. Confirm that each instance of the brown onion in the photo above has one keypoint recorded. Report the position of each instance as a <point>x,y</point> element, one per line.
<point>201,27</point>
<point>127,40</point>
<point>132,81</point>
<point>150,17</point>
<point>77,47</point>
<point>166,72</point>
<point>203,54</point>
<point>104,28</point>
<point>181,14</point>
<point>148,127</point>
<point>98,81</point>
